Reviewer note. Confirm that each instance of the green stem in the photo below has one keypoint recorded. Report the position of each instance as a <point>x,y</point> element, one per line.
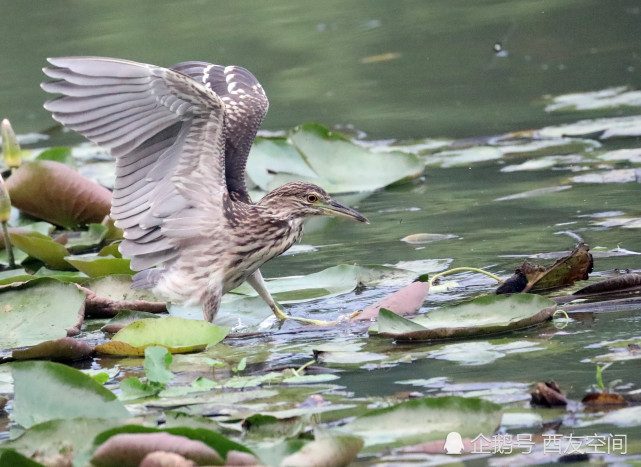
<point>8,246</point>
<point>455,270</point>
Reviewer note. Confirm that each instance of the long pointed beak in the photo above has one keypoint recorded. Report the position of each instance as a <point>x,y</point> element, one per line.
<point>338,210</point>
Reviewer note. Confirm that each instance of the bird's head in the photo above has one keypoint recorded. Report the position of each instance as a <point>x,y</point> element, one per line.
<point>299,200</point>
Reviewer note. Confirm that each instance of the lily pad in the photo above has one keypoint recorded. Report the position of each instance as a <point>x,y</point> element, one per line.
<point>178,335</point>
<point>326,283</point>
<point>97,266</point>
<point>326,450</point>
<point>342,166</point>
<point>38,311</point>
<point>52,191</point>
<point>481,316</point>
<point>422,420</point>
<point>43,248</point>
<point>125,318</point>
<point>47,391</point>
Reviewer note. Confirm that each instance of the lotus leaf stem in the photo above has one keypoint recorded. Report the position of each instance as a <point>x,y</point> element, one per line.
<point>455,270</point>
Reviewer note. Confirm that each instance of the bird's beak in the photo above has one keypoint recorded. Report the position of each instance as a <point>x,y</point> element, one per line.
<point>335,209</point>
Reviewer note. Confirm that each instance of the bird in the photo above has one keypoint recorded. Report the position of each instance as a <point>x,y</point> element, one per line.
<point>181,137</point>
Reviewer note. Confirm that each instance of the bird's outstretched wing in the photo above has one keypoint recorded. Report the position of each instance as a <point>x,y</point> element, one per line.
<point>245,107</point>
<point>167,132</point>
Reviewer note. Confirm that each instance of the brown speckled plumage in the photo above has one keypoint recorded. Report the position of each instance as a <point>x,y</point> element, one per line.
<point>181,137</point>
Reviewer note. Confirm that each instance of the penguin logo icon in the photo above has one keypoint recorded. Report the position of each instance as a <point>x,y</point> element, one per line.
<point>453,443</point>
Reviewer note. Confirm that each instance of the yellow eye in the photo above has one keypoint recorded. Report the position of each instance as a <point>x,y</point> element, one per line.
<point>312,198</point>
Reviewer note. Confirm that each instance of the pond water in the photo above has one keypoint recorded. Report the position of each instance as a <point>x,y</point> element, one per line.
<point>431,73</point>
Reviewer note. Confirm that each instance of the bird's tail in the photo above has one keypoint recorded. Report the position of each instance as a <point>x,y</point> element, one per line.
<point>148,278</point>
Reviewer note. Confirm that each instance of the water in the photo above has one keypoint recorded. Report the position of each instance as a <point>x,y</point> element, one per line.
<point>402,71</point>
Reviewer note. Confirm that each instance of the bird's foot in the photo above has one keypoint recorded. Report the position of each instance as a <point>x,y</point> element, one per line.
<point>281,315</point>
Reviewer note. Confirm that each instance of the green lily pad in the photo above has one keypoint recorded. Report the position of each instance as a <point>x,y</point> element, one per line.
<point>15,459</point>
<point>178,335</point>
<point>93,236</point>
<point>271,156</point>
<point>60,154</point>
<point>326,283</point>
<point>48,440</point>
<point>47,391</point>
<point>38,311</point>
<point>485,315</point>
<point>97,266</point>
<point>422,420</point>
<point>343,166</point>
<point>118,287</point>
<point>15,275</point>
<point>125,318</point>
<point>43,248</point>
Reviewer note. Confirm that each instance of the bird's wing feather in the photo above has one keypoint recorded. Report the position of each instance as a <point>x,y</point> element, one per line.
<point>245,107</point>
<point>167,134</point>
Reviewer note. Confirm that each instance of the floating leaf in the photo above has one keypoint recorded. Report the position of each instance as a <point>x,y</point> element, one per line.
<point>132,388</point>
<point>325,451</point>
<point>60,154</point>
<point>326,283</point>
<point>98,266</point>
<point>90,238</point>
<point>124,318</point>
<point>52,191</point>
<point>176,334</point>
<point>13,458</point>
<point>37,311</point>
<point>109,295</point>
<point>426,419</point>
<point>343,166</point>
<point>157,361</point>
<point>66,348</point>
<point>481,316</point>
<point>47,391</point>
<point>52,440</point>
<point>43,248</point>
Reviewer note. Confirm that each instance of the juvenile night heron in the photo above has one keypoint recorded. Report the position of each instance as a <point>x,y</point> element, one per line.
<point>181,137</point>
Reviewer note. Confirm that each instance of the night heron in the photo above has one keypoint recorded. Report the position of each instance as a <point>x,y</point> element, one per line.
<point>181,137</point>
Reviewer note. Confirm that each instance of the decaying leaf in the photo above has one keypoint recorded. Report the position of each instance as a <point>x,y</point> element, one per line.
<point>66,348</point>
<point>625,283</point>
<point>532,277</point>
<point>548,394</point>
<point>604,398</point>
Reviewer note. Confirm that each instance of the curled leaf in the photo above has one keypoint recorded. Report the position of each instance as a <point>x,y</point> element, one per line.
<point>52,191</point>
<point>129,449</point>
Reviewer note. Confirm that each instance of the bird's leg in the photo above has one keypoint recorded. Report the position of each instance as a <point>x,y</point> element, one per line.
<point>212,303</point>
<point>258,284</point>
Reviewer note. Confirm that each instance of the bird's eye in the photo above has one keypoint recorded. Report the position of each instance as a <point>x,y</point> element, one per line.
<point>312,198</point>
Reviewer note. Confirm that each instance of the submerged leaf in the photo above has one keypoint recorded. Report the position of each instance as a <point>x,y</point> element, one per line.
<point>52,191</point>
<point>426,419</point>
